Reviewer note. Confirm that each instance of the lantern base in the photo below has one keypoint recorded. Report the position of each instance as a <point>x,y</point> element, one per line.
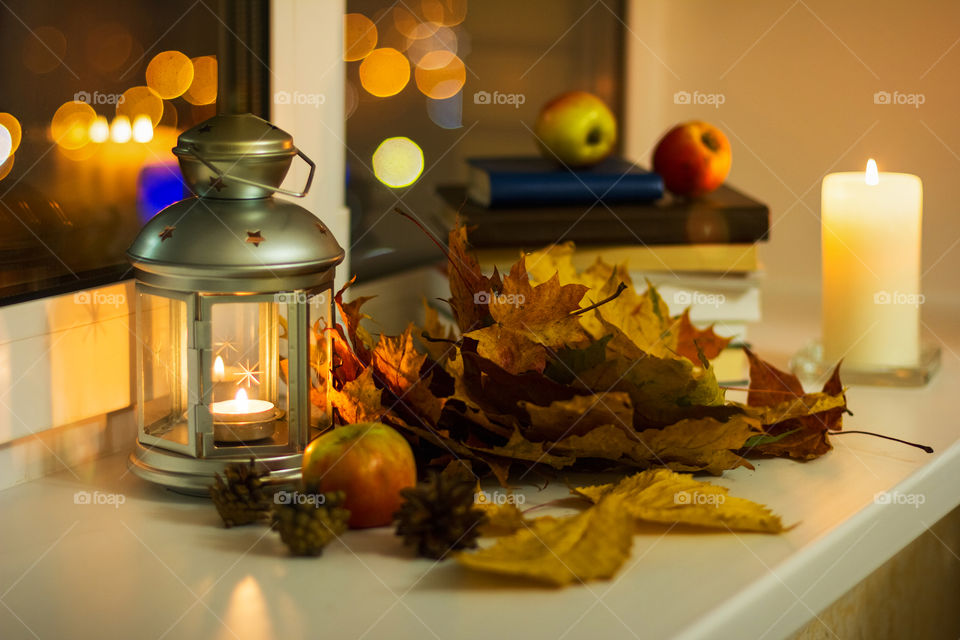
<point>808,364</point>
<point>194,476</point>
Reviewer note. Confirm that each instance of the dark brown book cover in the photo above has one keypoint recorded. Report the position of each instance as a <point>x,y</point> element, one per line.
<point>724,216</point>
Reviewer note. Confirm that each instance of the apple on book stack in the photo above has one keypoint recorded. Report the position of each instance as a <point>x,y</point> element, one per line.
<point>700,251</point>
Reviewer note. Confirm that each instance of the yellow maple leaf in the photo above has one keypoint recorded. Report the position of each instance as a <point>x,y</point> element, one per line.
<point>591,545</point>
<point>502,519</point>
<point>359,400</point>
<point>660,495</point>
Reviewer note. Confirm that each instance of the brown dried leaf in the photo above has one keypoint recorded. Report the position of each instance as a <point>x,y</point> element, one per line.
<point>509,348</point>
<point>350,312</point>
<point>691,342</point>
<point>578,415</point>
<point>470,289</point>
<point>782,392</point>
<point>398,365</point>
<point>703,444</point>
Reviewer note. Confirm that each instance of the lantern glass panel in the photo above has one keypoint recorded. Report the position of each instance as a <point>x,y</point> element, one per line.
<point>163,395</point>
<point>249,370</point>
<point>320,312</point>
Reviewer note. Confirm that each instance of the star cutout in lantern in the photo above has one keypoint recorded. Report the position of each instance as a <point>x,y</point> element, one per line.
<point>217,183</point>
<point>167,233</point>
<point>225,345</point>
<point>322,228</point>
<point>204,129</point>
<point>254,238</point>
<point>247,375</point>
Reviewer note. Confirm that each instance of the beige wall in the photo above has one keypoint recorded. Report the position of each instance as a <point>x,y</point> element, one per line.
<point>798,78</point>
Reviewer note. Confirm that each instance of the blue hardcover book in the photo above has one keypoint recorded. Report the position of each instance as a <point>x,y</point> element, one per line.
<point>531,181</point>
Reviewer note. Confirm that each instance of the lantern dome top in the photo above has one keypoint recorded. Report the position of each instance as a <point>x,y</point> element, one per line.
<point>234,136</point>
<point>256,246</point>
<point>235,237</point>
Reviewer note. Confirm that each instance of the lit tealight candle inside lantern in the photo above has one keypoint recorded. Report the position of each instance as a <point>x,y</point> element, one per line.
<point>218,370</point>
<point>871,268</point>
<point>242,409</point>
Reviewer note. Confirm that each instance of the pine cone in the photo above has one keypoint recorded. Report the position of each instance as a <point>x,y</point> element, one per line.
<point>307,526</point>
<point>241,499</point>
<point>438,515</point>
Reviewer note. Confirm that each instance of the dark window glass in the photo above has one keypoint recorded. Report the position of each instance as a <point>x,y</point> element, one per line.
<point>456,78</point>
<point>93,95</point>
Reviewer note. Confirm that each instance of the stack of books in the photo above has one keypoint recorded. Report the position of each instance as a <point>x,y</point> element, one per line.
<point>699,253</point>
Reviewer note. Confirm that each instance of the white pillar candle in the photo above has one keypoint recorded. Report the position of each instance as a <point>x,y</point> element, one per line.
<point>871,268</point>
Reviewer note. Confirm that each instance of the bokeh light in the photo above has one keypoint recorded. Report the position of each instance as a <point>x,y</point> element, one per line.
<point>99,130</point>
<point>6,167</point>
<point>80,154</point>
<point>108,46</point>
<point>411,25</point>
<point>142,129</point>
<point>169,74</point>
<point>6,144</point>
<point>385,72</point>
<point>140,101</point>
<point>158,186</point>
<point>70,126</point>
<point>43,49</point>
<point>440,75</point>
<point>120,129</point>
<point>12,125</point>
<point>359,36</point>
<point>351,99</point>
<point>203,89</point>
<point>170,115</point>
<point>445,12</point>
<point>444,38</point>
<point>387,34</point>
<point>446,114</point>
<point>398,162</point>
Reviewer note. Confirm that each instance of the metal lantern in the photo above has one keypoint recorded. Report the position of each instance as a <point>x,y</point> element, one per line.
<point>234,298</point>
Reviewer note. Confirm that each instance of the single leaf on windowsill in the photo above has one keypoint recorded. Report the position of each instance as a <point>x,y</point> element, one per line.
<point>591,545</point>
<point>660,495</point>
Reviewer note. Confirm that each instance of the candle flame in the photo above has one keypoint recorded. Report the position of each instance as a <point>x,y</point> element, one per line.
<point>872,177</point>
<point>241,399</point>
<point>99,130</point>
<point>120,130</point>
<point>218,370</point>
<point>142,129</point>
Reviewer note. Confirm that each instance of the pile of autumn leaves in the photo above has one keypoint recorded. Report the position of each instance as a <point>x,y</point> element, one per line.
<point>556,369</point>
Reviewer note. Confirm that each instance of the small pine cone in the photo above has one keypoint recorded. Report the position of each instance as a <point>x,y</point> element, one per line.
<point>307,526</point>
<point>439,516</point>
<point>240,499</point>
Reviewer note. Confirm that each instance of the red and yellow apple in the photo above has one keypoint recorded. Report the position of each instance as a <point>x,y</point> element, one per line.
<point>693,158</point>
<point>369,462</point>
<point>577,128</point>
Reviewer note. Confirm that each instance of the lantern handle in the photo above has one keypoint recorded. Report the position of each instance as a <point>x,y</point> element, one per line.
<point>192,150</point>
